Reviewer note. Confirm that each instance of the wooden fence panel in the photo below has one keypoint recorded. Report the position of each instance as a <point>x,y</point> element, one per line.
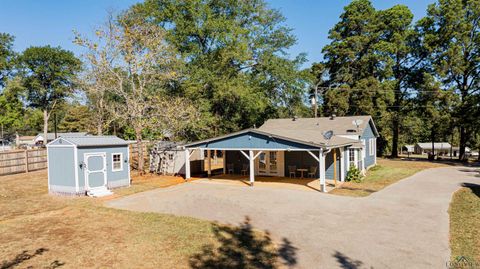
<point>21,161</point>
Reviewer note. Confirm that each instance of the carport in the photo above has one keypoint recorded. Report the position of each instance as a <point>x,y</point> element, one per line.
<point>269,154</point>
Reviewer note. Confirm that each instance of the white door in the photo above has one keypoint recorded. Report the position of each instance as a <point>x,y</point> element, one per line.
<point>95,170</point>
<point>270,163</point>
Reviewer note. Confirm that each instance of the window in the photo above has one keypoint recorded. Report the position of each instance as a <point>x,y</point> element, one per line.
<point>117,164</point>
<point>351,157</point>
<point>170,156</point>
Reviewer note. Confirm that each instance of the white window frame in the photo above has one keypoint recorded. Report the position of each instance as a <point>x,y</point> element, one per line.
<point>121,162</point>
<point>371,146</point>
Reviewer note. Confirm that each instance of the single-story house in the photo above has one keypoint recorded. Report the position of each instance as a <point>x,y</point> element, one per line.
<point>408,149</point>
<point>24,141</point>
<point>456,152</point>
<point>441,148</point>
<point>168,158</point>
<point>324,148</point>
<point>40,140</point>
<point>87,165</point>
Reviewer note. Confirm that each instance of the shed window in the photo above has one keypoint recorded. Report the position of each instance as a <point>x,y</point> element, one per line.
<point>351,157</point>
<point>117,164</point>
<point>371,145</point>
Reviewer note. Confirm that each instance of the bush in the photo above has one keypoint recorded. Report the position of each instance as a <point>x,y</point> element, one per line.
<point>354,174</point>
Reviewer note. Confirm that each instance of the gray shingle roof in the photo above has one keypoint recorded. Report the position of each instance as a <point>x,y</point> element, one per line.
<point>310,130</point>
<point>92,140</point>
<point>438,145</point>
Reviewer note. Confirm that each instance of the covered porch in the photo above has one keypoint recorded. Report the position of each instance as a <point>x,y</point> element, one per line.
<point>252,156</point>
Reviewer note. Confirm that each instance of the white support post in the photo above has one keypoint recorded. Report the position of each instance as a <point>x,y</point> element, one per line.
<point>348,160</point>
<point>224,162</point>
<point>187,164</point>
<point>252,167</point>
<point>342,164</point>
<point>209,161</point>
<point>323,184</point>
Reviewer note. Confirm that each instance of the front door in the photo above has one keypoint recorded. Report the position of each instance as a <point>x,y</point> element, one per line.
<point>95,170</point>
<point>268,163</point>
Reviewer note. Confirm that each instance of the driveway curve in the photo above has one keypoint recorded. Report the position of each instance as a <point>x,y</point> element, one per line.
<point>405,225</point>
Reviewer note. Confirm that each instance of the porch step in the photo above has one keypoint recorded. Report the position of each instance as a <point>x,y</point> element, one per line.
<point>100,192</point>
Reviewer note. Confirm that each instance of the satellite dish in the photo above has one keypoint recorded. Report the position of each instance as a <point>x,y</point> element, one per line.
<point>328,135</point>
<point>357,122</point>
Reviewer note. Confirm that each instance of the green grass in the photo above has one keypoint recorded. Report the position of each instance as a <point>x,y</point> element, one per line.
<point>465,223</point>
<point>385,173</point>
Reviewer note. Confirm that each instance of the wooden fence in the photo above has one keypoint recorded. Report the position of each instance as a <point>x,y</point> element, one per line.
<point>134,155</point>
<point>22,161</point>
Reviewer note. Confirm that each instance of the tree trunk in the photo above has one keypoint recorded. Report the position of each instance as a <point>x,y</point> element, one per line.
<point>395,128</point>
<point>433,141</point>
<point>99,128</point>
<point>463,142</point>
<point>45,127</point>
<point>138,136</point>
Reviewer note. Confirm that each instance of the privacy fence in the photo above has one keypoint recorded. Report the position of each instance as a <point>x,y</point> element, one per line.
<point>22,161</point>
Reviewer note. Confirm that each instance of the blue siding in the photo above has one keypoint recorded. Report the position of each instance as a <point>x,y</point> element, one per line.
<point>111,176</point>
<point>60,166</point>
<point>300,159</point>
<point>367,134</point>
<point>252,140</point>
<point>329,165</point>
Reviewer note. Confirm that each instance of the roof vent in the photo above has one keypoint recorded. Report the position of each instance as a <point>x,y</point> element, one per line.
<point>351,131</point>
<point>332,117</point>
<point>295,118</point>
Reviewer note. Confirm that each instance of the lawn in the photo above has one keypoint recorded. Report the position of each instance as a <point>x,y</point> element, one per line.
<point>45,231</point>
<point>465,223</point>
<point>386,172</point>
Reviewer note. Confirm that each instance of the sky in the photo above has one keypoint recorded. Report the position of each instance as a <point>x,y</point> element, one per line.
<point>51,22</point>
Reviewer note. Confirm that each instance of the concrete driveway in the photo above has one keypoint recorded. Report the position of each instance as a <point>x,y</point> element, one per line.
<point>406,225</point>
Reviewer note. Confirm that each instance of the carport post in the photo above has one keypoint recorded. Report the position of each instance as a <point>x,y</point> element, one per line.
<point>342,164</point>
<point>209,156</point>
<point>187,164</point>
<point>322,170</point>
<point>252,173</point>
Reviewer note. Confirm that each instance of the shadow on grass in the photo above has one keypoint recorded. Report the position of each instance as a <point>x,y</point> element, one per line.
<point>475,188</point>
<point>241,247</point>
<point>346,262</point>
<point>24,256</point>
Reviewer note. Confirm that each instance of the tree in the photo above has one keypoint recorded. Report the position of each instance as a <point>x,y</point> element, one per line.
<point>133,62</point>
<point>237,68</point>
<point>48,77</point>
<point>451,31</point>
<point>11,107</point>
<point>77,119</point>
<point>7,56</point>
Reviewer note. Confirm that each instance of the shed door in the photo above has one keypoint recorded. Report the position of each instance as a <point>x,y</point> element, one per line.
<point>96,170</point>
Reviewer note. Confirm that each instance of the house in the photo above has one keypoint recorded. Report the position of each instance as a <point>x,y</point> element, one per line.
<point>24,141</point>
<point>87,165</point>
<point>468,152</point>
<point>39,139</point>
<point>168,158</point>
<point>408,149</point>
<point>324,148</point>
<point>441,148</point>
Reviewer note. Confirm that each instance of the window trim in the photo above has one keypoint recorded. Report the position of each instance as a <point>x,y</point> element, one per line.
<point>121,162</point>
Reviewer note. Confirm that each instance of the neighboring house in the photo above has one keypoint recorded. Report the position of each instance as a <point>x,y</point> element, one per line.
<point>408,149</point>
<point>468,152</point>
<point>40,140</point>
<point>441,148</point>
<point>292,147</point>
<point>87,164</point>
<point>168,158</point>
<point>24,141</point>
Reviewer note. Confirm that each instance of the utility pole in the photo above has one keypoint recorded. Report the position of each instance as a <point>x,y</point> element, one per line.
<point>315,100</point>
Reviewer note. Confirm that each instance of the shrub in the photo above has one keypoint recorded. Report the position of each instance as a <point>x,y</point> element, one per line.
<point>354,174</point>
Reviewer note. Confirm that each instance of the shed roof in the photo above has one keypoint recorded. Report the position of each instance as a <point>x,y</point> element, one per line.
<point>91,141</point>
